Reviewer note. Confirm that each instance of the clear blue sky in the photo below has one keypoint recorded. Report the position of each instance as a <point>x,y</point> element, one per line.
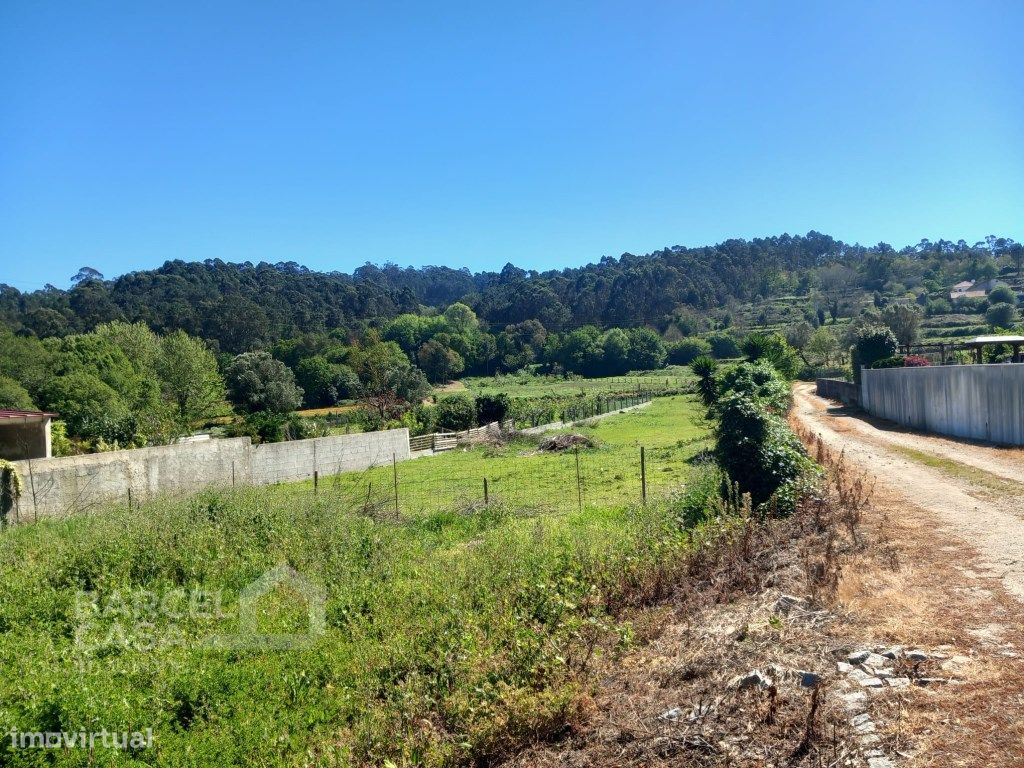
<point>475,133</point>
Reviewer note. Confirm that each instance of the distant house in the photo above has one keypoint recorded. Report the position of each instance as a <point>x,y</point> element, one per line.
<point>25,434</point>
<point>970,289</point>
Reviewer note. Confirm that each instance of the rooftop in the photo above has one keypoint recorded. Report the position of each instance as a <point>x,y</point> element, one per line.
<point>9,414</point>
<point>996,340</point>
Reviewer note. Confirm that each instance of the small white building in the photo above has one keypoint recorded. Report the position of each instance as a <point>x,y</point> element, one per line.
<point>25,435</point>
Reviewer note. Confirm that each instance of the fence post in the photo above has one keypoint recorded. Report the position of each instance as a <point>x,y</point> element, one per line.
<point>487,498</point>
<point>394,471</point>
<point>643,474</point>
<point>129,499</point>
<point>579,484</point>
<point>232,474</point>
<point>316,481</point>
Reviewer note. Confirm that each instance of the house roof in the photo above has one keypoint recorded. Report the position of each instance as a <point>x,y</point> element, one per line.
<point>964,285</point>
<point>9,414</point>
<point>995,340</point>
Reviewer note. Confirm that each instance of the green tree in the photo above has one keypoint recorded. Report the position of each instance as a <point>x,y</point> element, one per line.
<point>616,348</point>
<point>705,368</point>
<point>723,345</point>
<point>646,350</point>
<point>456,413</point>
<point>687,350</point>
<point>1002,294</point>
<point>257,382</point>
<point>1001,316</point>
<point>91,408</point>
<point>822,348</point>
<point>772,348</point>
<point>871,344</point>
<point>905,323</point>
<point>189,378</point>
<point>13,396</point>
<point>439,363</point>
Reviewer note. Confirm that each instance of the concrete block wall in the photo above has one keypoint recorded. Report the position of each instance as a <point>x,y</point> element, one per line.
<point>74,484</point>
<point>982,402</point>
<point>77,484</point>
<point>297,460</point>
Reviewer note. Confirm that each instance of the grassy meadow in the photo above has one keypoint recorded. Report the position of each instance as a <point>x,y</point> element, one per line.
<point>670,429</point>
<point>451,634</point>
<point>528,385</point>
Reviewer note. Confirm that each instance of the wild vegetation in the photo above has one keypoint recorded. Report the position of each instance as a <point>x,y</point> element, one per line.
<point>151,355</point>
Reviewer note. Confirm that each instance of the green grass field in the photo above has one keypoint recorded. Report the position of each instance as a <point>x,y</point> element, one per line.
<point>522,385</point>
<point>518,475</point>
<point>450,635</point>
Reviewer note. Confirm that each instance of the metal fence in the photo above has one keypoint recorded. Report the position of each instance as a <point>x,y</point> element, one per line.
<point>557,482</point>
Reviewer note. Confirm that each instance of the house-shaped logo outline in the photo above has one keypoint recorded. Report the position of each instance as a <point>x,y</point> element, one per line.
<point>248,599</point>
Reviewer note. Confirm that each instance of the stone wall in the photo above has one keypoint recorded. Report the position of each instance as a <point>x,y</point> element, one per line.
<point>983,402</point>
<point>62,486</point>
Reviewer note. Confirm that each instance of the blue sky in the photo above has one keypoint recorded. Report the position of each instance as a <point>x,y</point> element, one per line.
<point>471,134</point>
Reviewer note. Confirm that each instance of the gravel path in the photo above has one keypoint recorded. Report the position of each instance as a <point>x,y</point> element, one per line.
<point>950,480</point>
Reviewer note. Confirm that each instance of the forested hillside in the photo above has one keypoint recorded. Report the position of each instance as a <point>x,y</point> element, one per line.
<point>241,307</point>
<point>152,354</point>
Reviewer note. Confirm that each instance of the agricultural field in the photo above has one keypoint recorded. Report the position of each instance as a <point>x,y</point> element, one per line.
<point>449,633</point>
<point>529,385</point>
<point>520,476</point>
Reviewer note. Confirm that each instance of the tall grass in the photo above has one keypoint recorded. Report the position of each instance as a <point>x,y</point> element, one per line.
<point>450,638</point>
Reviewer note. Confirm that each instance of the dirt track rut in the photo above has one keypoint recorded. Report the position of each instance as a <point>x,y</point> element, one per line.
<point>974,491</point>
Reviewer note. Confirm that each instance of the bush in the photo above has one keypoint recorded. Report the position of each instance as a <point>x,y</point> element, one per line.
<point>1001,315</point>
<point>687,350</point>
<point>1002,294</point>
<point>873,343</point>
<point>773,348</point>
<point>491,408</point>
<point>456,413</point>
<point>916,361</point>
<point>895,361</point>
<point>758,451</point>
<point>938,307</point>
<point>723,345</point>
<point>753,442</point>
<point>760,381</point>
<point>705,367</point>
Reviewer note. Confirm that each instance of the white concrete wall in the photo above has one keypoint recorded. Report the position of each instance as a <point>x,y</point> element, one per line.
<point>983,402</point>
<point>76,484</point>
<point>297,460</point>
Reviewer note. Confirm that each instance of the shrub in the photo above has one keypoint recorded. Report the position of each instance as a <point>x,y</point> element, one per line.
<point>723,345</point>
<point>491,408</point>
<point>1002,294</point>
<point>704,367</point>
<point>1001,315</point>
<point>456,413</point>
<point>915,361</point>
<point>773,348</point>
<point>758,451</point>
<point>760,381</point>
<point>938,307</point>
<point>873,343</point>
<point>894,361</point>
<point>687,350</point>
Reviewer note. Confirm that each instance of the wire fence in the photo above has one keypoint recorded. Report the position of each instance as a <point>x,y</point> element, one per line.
<point>538,483</point>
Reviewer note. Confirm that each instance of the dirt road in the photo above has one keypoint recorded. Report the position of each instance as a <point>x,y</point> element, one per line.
<point>974,491</point>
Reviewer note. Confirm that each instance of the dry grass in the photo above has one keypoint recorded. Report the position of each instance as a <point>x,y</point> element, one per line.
<point>915,584</point>
<point>676,700</point>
